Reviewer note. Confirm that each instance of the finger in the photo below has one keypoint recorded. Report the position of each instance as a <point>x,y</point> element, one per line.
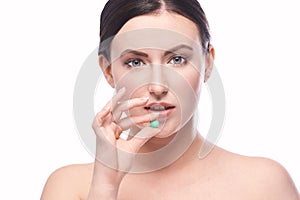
<point>103,114</point>
<point>135,143</point>
<point>129,104</point>
<point>117,130</point>
<point>115,101</point>
<point>108,107</point>
<point>105,134</point>
<point>128,122</point>
<point>117,98</point>
<point>136,102</point>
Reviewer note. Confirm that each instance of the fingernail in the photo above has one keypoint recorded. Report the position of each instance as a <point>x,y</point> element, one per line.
<point>144,99</point>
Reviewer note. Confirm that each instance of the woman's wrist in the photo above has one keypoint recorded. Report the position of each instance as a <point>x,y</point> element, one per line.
<point>105,182</point>
<point>104,175</point>
<point>107,192</point>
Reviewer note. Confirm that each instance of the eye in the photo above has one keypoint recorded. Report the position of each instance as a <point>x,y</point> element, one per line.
<point>178,60</point>
<point>134,63</point>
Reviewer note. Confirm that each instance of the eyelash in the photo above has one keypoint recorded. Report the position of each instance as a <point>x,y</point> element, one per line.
<point>183,59</point>
<point>129,62</point>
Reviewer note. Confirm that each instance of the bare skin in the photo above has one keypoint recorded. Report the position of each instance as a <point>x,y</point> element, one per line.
<point>220,175</point>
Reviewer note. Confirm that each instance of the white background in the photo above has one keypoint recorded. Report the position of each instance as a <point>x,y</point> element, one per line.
<point>44,43</point>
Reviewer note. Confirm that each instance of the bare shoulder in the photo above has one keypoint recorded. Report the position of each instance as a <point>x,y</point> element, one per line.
<point>262,177</point>
<point>271,179</point>
<point>68,182</point>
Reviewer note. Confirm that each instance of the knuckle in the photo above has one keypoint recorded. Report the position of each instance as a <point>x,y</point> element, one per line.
<point>95,124</point>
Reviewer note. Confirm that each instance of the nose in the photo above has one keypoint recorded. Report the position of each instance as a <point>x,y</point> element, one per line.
<point>158,88</point>
<point>158,91</point>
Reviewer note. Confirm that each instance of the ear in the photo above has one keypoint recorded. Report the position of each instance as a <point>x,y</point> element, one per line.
<point>210,57</point>
<point>106,69</point>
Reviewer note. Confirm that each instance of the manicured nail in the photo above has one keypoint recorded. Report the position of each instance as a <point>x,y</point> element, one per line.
<point>154,124</point>
<point>144,99</point>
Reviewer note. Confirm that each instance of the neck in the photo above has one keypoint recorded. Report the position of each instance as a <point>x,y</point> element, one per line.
<point>186,133</point>
<point>182,147</point>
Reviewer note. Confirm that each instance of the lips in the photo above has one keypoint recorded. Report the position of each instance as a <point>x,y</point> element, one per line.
<point>165,109</point>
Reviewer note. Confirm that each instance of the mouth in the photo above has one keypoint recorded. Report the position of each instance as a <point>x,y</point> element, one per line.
<point>164,109</point>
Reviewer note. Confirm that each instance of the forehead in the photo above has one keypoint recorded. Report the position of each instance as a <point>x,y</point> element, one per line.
<point>164,31</point>
<point>165,20</point>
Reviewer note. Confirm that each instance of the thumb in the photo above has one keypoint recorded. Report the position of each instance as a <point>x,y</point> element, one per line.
<point>144,135</point>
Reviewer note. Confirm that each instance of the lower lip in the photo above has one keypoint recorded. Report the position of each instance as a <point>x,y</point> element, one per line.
<point>164,113</point>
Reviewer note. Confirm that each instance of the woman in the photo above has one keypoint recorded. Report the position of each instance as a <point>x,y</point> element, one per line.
<point>157,54</point>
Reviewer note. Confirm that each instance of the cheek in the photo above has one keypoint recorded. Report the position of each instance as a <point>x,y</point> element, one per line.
<point>118,71</point>
<point>193,77</point>
<point>195,82</point>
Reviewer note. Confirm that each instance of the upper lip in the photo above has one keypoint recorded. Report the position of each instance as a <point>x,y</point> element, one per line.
<point>165,104</point>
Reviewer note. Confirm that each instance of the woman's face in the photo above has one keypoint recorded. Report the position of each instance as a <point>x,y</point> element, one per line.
<point>160,57</point>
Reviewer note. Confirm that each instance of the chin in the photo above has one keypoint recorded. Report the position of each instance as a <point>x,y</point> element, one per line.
<point>167,131</point>
<point>164,134</point>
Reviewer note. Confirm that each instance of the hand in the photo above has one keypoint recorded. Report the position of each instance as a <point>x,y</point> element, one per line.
<point>114,155</point>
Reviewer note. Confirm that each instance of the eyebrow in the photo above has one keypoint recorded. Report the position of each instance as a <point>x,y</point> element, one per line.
<point>174,49</point>
<point>139,53</point>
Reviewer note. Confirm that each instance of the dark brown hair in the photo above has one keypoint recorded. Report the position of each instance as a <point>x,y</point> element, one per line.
<point>117,12</point>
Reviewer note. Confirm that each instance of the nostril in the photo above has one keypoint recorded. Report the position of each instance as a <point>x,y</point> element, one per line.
<point>158,86</point>
<point>156,89</point>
